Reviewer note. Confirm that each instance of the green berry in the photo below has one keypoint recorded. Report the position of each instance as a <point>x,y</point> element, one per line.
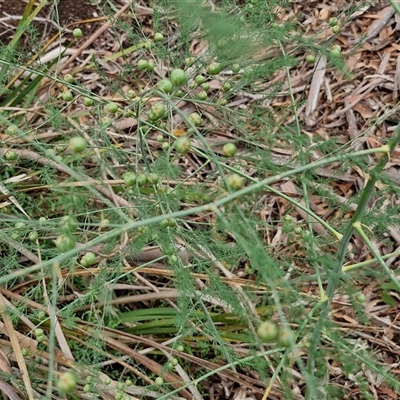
<point>165,85</point>
<point>159,381</point>
<point>182,145</point>
<point>67,382</point>
<point>33,236</point>
<point>158,37</point>
<point>200,79</point>
<point>40,338</point>
<point>288,218</point>
<point>107,381</point>
<point>67,96</point>
<point>229,149</point>
<point>205,86</point>
<point>178,77</point>
<point>235,68</point>
<point>68,78</point>
<point>129,178</point>
<point>268,331</point>
<point>20,225</point>
<point>150,66</point>
<point>112,107</point>
<point>11,155</point>
<point>142,65</point>
<point>335,29</point>
<point>223,102</point>
<point>333,21</point>
<point>226,87</point>
<point>128,383</point>
<point>174,362</point>
<point>65,243</point>
<point>335,50</point>
<point>165,146</point>
<point>189,61</point>
<point>235,182</point>
<point>88,259</point>
<point>214,68</point>
<point>77,33</point>
<point>39,332</point>
<point>202,96</point>
<point>153,178</point>
<point>156,112</point>
<point>88,101</point>
<point>142,179</point>
<point>12,130</point>
<point>298,230</point>
<point>130,94</point>
<point>180,348</point>
<point>285,337</point>
<point>360,297</point>
<point>195,119</point>
<point>68,223</point>
<point>25,352</point>
<point>77,144</point>
<point>310,58</point>
<point>160,138</point>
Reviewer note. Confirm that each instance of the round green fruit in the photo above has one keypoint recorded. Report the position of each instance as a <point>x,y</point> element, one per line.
<point>360,297</point>
<point>39,332</point>
<point>159,381</point>
<point>226,87</point>
<point>33,236</point>
<point>202,96</point>
<point>88,259</point>
<point>67,96</point>
<point>235,68</point>
<point>158,37</point>
<point>153,178</point>
<point>235,182</point>
<point>11,155</point>
<point>333,21</point>
<point>165,85</point>
<point>285,337</point>
<point>182,145</point>
<point>77,33</point>
<point>335,29</point>
<point>65,243</point>
<point>68,78</point>
<point>229,149</point>
<point>178,77</point>
<point>214,68</point>
<point>195,119</point>
<point>268,331</point>
<point>310,58</point>
<point>142,65</point>
<point>142,179</point>
<point>77,144</point>
<point>112,107</point>
<point>67,382</point>
<point>129,178</point>
<point>156,112</point>
<point>88,101</point>
<point>200,79</point>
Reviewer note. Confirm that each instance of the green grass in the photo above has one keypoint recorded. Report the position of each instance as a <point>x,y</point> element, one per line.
<point>262,235</point>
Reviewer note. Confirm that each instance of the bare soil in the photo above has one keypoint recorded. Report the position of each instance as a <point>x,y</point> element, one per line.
<point>68,14</point>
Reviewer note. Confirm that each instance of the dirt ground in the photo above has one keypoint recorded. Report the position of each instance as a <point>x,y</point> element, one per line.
<point>67,12</point>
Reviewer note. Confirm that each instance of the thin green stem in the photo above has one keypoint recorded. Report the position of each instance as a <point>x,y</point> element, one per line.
<point>358,227</point>
<point>342,251</point>
<point>183,213</point>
